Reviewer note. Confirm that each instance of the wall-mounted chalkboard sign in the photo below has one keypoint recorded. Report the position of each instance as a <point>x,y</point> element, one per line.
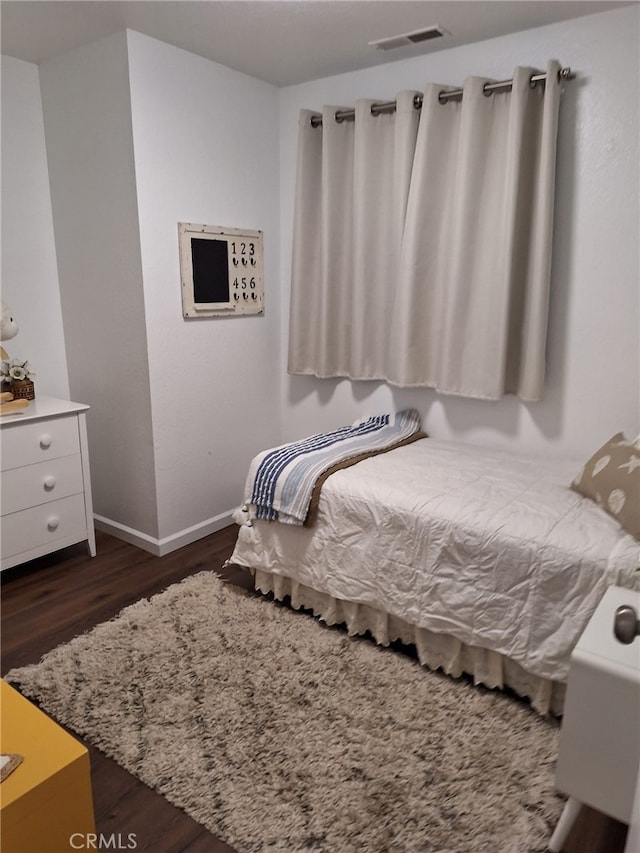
<point>220,271</point>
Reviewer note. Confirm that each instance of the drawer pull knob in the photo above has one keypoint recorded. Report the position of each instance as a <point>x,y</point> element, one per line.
<point>626,626</point>
<point>49,482</point>
<point>53,522</point>
<point>45,441</point>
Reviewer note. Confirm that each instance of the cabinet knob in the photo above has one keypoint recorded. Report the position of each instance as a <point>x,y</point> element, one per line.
<point>53,522</point>
<point>45,441</point>
<point>49,482</point>
<point>626,626</point>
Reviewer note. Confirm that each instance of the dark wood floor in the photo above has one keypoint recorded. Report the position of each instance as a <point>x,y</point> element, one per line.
<point>51,600</point>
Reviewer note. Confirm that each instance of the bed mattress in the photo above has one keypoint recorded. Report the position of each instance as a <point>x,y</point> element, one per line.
<point>488,547</point>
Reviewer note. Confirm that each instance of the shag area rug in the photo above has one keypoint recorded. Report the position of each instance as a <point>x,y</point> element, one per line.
<point>278,733</point>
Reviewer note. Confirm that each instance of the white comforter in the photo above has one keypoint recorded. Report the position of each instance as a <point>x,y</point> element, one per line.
<point>489,547</point>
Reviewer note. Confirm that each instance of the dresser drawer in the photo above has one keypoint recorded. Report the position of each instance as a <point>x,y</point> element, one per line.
<point>26,444</point>
<point>41,483</point>
<point>44,524</point>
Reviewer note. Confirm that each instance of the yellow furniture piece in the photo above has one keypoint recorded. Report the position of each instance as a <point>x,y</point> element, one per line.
<point>46,802</point>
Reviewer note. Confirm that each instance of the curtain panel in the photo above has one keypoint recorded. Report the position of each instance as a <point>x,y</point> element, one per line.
<point>422,240</point>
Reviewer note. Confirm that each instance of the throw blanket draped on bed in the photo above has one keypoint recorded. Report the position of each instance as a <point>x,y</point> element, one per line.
<point>283,482</point>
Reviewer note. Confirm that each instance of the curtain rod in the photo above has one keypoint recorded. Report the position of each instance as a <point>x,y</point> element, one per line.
<point>444,96</point>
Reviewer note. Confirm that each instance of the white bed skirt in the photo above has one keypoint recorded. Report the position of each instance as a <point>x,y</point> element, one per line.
<point>435,651</point>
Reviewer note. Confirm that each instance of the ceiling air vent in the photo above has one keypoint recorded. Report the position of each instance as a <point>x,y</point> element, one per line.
<point>415,37</point>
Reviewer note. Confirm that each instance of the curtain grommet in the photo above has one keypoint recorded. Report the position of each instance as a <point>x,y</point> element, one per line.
<point>566,74</point>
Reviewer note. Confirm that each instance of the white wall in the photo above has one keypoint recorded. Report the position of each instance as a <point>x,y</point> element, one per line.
<point>29,279</point>
<point>87,117</point>
<point>142,135</point>
<point>593,359</point>
<point>206,151</point>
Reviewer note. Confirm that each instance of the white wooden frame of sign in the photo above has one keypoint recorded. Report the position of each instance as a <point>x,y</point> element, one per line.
<point>220,271</point>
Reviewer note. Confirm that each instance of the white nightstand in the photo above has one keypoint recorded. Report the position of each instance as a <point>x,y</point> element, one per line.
<point>599,752</point>
<point>46,487</point>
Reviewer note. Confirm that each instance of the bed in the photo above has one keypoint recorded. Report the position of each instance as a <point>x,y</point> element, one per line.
<point>486,561</point>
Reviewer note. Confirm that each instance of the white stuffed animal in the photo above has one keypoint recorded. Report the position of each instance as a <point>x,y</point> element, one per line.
<point>9,329</point>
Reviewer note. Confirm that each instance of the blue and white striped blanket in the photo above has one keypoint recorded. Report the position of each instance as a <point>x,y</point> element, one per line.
<point>281,481</point>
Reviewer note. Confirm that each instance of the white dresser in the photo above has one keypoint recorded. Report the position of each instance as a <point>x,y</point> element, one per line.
<point>45,487</point>
<point>599,751</point>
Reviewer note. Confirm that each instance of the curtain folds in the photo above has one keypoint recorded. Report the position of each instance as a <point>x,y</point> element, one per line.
<point>422,241</point>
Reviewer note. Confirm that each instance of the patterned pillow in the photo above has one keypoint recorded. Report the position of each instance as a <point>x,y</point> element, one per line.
<point>612,479</point>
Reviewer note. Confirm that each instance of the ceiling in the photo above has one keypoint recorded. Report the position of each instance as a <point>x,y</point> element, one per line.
<point>283,42</point>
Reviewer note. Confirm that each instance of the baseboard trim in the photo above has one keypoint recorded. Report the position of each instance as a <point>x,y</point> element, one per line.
<point>160,547</point>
